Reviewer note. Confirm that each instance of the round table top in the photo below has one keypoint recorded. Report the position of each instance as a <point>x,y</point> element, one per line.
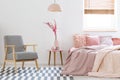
<point>56,50</point>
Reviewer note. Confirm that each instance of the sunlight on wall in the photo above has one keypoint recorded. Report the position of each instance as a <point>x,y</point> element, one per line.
<point>99,22</point>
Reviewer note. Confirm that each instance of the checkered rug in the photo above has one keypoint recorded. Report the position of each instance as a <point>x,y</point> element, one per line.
<point>30,73</point>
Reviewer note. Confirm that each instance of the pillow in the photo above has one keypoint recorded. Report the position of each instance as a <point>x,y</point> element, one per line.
<point>106,40</point>
<point>116,41</point>
<point>92,40</point>
<point>76,41</point>
<point>79,40</point>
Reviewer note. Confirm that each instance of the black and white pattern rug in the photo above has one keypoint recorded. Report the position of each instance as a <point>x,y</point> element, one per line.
<point>30,73</point>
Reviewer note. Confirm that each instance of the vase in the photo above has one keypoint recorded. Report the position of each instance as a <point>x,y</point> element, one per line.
<point>56,44</point>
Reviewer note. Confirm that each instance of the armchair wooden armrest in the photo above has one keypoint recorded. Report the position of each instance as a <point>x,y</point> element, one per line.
<point>30,45</point>
<point>12,46</point>
<point>33,45</point>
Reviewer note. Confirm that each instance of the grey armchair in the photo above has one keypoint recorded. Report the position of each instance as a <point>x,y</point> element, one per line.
<point>16,51</point>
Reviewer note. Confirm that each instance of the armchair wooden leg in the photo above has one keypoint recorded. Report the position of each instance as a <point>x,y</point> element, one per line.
<point>36,64</point>
<point>4,65</point>
<point>23,65</point>
<point>5,57</point>
<point>15,66</point>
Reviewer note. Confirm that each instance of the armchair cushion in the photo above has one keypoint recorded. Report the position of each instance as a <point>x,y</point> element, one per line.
<point>14,40</point>
<point>23,56</point>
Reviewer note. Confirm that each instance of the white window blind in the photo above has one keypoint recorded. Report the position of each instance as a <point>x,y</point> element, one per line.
<point>99,15</point>
<point>99,4</point>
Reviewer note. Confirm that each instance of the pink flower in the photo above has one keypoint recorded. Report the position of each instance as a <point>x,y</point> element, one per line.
<point>53,27</point>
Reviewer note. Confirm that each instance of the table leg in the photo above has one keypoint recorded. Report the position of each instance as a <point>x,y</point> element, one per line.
<point>61,57</point>
<point>54,58</point>
<point>49,57</point>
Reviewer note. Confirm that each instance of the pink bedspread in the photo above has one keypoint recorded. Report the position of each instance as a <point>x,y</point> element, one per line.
<point>80,61</point>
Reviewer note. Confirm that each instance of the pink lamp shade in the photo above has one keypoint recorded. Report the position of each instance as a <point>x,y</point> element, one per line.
<point>54,8</point>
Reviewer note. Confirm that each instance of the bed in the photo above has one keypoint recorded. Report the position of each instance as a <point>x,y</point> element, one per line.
<point>102,60</point>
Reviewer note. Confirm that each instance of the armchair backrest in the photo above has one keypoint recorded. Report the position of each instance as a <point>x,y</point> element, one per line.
<point>14,40</point>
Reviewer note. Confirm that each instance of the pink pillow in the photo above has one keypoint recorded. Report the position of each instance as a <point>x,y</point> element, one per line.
<point>92,40</point>
<point>76,41</point>
<point>116,41</point>
<point>79,40</point>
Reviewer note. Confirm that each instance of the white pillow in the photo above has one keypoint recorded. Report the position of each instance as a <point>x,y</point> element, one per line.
<point>106,40</point>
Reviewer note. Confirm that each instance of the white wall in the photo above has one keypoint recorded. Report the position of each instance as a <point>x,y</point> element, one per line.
<point>27,17</point>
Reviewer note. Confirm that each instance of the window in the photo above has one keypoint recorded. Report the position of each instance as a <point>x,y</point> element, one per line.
<point>99,15</point>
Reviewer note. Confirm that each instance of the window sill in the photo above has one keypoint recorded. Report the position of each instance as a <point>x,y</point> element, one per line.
<point>101,30</point>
